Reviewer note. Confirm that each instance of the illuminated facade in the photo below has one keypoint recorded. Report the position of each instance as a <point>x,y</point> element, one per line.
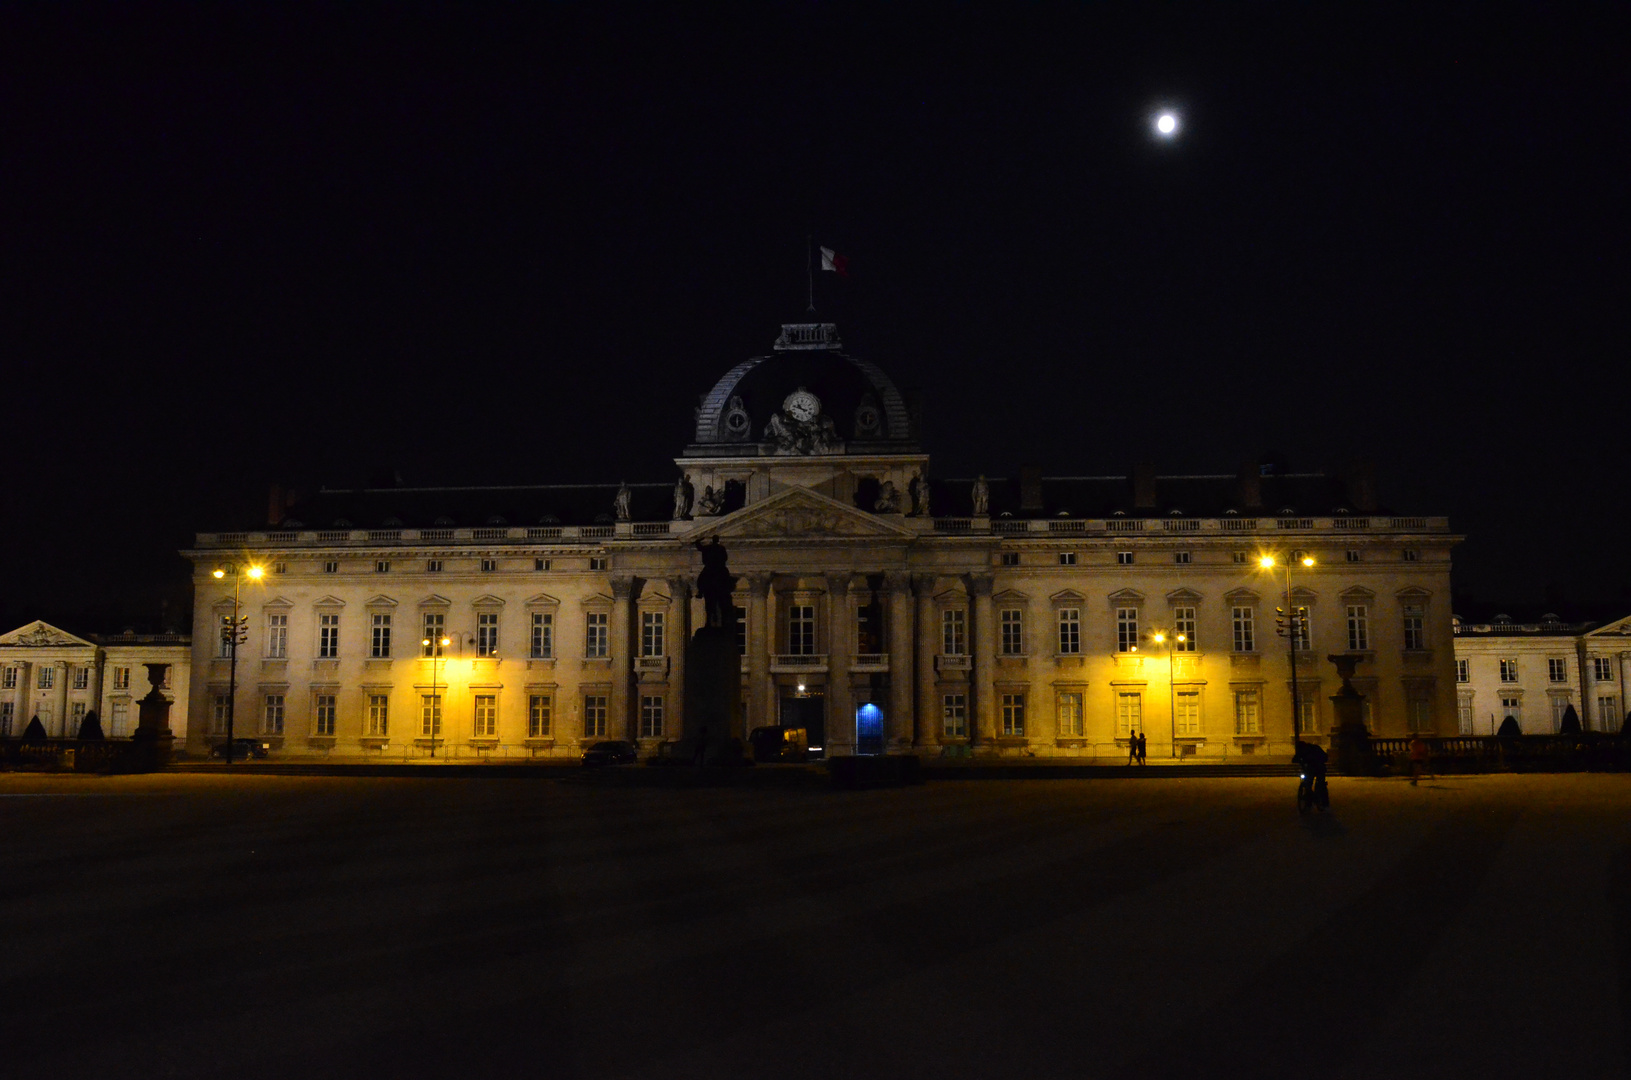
<point>1025,616</point>
<point>57,677</point>
<point>1533,672</point>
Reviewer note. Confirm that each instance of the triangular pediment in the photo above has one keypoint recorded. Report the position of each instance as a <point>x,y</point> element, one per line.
<point>802,514</point>
<point>1358,593</point>
<point>1183,596</point>
<point>381,601</point>
<point>328,601</point>
<point>1067,596</point>
<point>435,601</point>
<point>40,634</point>
<point>1617,628</point>
<point>487,600</point>
<point>951,596</point>
<point>1126,596</point>
<point>1241,596</point>
<point>543,600</point>
<point>1009,596</point>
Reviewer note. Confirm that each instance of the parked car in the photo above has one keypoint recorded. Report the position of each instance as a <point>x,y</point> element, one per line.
<point>612,752</point>
<point>242,749</point>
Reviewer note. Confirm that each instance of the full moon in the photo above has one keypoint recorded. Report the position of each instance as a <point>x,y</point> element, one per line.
<point>1166,123</point>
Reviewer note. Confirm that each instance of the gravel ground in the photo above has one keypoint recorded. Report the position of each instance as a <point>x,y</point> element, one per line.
<point>203,926</point>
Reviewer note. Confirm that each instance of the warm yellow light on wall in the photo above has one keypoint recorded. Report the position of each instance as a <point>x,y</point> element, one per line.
<point>1266,562</point>
<point>256,572</point>
<point>220,573</point>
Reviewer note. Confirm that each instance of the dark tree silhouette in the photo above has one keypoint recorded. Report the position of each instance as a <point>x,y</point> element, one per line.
<point>90,728</point>
<point>35,731</point>
<point>1570,724</point>
<point>1509,729</point>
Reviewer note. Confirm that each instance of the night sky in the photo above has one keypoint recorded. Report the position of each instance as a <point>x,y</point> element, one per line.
<point>245,244</point>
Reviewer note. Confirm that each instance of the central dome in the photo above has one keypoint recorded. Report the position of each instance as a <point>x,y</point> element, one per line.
<point>806,397</point>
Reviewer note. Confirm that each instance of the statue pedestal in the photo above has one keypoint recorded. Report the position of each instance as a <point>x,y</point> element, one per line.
<point>713,697</point>
<point>1351,751</point>
<point>152,743</point>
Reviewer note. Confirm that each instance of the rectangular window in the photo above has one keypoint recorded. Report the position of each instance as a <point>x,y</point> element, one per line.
<point>1415,627</point>
<point>1463,714</point>
<point>741,614</point>
<point>76,714</point>
<point>801,629</point>
<point>331,567</point>
<point>1013,632</point>
<point>597,562</point>
<point>486,720</point>
<point>325,715</point>
<point>1070,631</point>
<point>1181,558</point>
<point>1129,712</point>
<point>280,568</point>
<point>328,637</point>
<point>1421,715</point>
<point>1560,705</point>
<point>651,634</point>
<point>1126,629</point>
<point>1302,629</point>
<point>1358,628</point>
<point>382,566</point>
<point>47,678</point>
<point>543,635</point>
<point>121,720</point>
<point>540,564</point>
<point>651,716</point>
<point>1309,722</point>
<point>1512,708</point>
<point>1557,669</point>
<point>489,565</point>
<point>1183,629</point>
<point>1608,713</point>
<point>8,677</point>
<point>1603,668</point>
<point>218,718</point>
<point>1352,555</point>
<point>433,566</point>
<point>1008,558</point>
<point>1070,715</point>
<point>1509,670</point>
<point>272,715</point>
<point>379,715</point>
<point>540,716</point>
<point>868,634</point>
<point>226,637</point>
<point>1463,669</point>
<point>1248,719</point>
<point>1411,555</point>
<point>486,633</point>
<point>1238,556</point>
<point>430,716</point>
<point>277,637</point>
<point>594,717</point>
<point>435,630</point>
<point>1067,558</point>
<point>954,716</point>
<point>596,635</point>
<point>8,713</point>
<point>379,644</point>
<point>1186,712</point>
<point>953,632</point>
<point>1124,558</point>
<point>1013,715</point>
<point>82,678</point>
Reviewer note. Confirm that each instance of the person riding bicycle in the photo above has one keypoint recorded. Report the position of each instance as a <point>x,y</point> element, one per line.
<point>1312,759</point>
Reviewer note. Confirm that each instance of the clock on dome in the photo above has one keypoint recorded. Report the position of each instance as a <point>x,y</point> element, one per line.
<point>802,405</point>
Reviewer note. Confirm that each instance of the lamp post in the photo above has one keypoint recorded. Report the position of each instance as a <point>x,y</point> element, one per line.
<point>235,634</point>
<point>435,694</point>
<point>1160,638</point>
<point>1292,625</point>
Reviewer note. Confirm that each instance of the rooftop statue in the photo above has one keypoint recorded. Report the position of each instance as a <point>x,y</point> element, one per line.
<point>919,488</point>
<point>682,498</point>
<point>982,497</point>
<point>621,502</point>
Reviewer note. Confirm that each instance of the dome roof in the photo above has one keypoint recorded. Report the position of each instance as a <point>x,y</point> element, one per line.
<point>853,398</point>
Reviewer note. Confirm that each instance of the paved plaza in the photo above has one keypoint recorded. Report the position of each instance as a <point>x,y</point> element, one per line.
<point>274,926</point>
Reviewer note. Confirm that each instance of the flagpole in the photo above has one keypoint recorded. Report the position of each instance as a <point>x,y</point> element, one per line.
<point>809,268</point>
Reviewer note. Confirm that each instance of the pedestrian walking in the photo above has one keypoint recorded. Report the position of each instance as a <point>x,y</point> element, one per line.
<point>1418,758</point>
<point>1132,748</point>
<point>1141,748</point>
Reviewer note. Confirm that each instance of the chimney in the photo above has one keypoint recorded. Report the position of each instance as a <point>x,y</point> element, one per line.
<point>275,505</point>
<point>1362,486</point>
<point>1144,486</point>
<point>1249,486</point>
<point>1030,488</point>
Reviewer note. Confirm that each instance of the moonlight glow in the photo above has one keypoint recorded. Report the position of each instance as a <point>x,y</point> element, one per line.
<point>1166,124</point>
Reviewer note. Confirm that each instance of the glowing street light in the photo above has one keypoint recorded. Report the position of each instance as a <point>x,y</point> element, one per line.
<point>1294,622</point>
<point>1166,125</point>
<point>1160,638</point>
<point>235,632</point>
<point>435,694</point>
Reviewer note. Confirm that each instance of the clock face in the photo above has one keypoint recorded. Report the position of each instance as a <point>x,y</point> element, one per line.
<point>802,405</point>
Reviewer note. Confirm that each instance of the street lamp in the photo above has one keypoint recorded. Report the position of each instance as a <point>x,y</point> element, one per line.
<point>435,694</point>
<point>236,632</point>
<point>1293,621</point>
<point>1160,638</point>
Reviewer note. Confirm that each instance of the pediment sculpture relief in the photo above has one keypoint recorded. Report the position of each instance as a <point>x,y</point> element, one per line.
<point>42,636</point>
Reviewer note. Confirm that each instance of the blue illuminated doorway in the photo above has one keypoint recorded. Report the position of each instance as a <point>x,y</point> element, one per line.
<point>869,729</point>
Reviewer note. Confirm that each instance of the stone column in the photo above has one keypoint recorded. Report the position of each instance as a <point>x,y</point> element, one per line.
<point>983,730</point>
<point>65,671</point>
<point>926,710</point>
<point>841,647</point>
<point>679,636</point>
<point>760,644</point>
<point>901,666</point>
<point>618,725</point>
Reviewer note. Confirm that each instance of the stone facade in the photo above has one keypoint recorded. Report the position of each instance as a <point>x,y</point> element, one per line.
<point>1039,626</point>
<point>1533,672</point>
<point>54,675</point>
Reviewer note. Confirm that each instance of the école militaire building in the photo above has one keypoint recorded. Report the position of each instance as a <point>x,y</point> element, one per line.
<point>882,608</point>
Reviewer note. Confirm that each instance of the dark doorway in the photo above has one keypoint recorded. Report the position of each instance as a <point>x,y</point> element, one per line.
<point>868,729</point>
<point>810,713</point>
